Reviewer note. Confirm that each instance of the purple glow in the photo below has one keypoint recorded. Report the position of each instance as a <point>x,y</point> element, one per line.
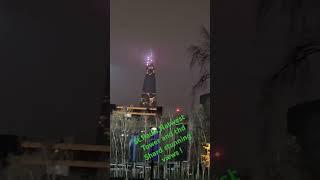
<point>149,59</point>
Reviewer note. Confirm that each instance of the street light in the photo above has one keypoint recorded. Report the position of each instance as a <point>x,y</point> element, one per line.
<point>128,115</point>
<point>217,154</point>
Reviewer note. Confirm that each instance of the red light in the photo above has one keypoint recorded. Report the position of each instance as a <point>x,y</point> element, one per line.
<point>178,110</point>
<point>217,154</point>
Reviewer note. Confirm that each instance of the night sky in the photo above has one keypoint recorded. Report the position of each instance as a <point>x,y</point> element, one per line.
<point>169,28</point>
<point>52,67</point>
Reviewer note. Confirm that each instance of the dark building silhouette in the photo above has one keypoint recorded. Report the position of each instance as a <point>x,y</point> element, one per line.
<point>303,122</point>
<point>9,144</point>
<point>103,121</point>
<point>148,96</point>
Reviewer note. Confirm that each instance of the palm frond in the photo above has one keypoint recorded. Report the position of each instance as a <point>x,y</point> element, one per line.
<point>199,55</point>
<point>205,33</point>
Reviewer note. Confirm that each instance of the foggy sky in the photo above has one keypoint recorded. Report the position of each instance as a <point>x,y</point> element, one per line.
<point>52,70</point>
<point>168,27</point>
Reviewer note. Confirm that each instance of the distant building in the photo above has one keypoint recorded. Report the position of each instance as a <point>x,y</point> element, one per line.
<point>60,157</point>
<point>148,95</point>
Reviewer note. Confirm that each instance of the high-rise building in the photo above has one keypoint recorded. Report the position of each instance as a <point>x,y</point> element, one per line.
<point>148,96</point>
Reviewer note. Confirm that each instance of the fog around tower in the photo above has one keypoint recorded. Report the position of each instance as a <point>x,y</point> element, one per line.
<point>137,27</point>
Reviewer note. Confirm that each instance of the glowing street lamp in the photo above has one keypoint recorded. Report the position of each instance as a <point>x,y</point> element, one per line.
<point>128,115</point>
<point>217,154</point>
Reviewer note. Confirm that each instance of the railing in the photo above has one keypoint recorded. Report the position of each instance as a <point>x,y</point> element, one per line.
<point>66,147</point>
<point>71,163</point>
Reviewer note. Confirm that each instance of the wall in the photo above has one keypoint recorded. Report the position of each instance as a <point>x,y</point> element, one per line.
<point>251,131</point>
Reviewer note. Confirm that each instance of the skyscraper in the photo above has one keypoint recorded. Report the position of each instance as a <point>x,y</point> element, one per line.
<point>148,96</point>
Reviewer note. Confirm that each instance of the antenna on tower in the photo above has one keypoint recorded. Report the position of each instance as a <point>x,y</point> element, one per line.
<point>149,58</point>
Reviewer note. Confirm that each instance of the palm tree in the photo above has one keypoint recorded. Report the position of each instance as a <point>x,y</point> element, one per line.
<point>200,55</point>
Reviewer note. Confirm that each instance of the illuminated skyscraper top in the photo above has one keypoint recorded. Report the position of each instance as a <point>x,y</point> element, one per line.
<point>148,96</point>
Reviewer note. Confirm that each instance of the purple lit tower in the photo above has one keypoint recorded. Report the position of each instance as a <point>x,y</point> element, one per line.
<point>148,95</point>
